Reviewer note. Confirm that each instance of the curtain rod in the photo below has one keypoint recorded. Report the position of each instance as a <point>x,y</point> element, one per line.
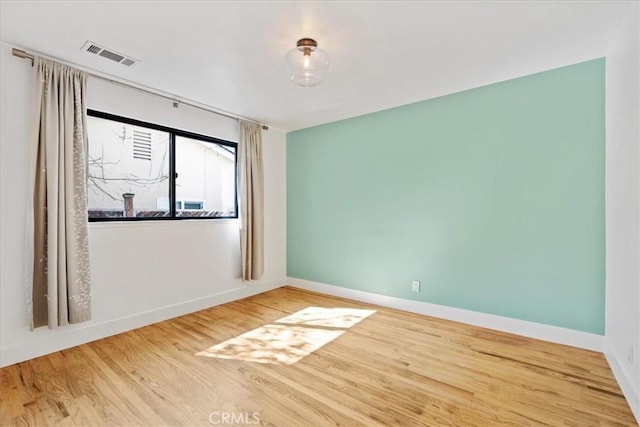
<point>176,99</point>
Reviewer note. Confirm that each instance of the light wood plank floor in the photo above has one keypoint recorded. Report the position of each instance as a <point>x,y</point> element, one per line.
<point>392,368</point>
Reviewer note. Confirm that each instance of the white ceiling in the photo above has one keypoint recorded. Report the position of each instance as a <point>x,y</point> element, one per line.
<point>230,54</point>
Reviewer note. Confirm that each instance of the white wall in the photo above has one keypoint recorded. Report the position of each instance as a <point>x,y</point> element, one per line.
<point>622,333</point>
<point>142,272</point>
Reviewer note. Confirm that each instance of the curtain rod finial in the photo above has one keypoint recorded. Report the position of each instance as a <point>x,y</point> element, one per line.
<point>21,54</point>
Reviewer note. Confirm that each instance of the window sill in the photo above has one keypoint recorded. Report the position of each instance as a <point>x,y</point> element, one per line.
<point>161,223</point>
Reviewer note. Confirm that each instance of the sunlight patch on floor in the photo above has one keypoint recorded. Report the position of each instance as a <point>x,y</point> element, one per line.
<point>327,317</point>
<point>286,341</point>
<point>275,344</point>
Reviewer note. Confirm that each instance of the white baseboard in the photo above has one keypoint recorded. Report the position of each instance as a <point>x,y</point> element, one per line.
<point>525,328</point>
<point>45,341</point>
<point>631,393</point>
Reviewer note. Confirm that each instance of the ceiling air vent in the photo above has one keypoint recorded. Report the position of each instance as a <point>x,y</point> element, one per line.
<point>128,62</point>
<point>93,49</point>
<point>96,49</point>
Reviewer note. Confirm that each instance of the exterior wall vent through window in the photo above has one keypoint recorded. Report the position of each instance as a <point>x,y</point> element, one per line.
<point>141,145</point>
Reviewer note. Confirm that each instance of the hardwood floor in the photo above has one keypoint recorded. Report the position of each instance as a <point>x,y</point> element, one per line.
<point>391,368</point>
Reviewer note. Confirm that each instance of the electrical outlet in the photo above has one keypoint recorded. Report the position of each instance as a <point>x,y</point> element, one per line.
<point>630,354</point>
<point>415,286</point>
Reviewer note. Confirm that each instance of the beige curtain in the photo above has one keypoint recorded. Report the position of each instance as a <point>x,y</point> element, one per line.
<point>251,200</point>
<point>58,247</point>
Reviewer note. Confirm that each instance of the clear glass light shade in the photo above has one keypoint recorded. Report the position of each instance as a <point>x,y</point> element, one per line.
<point>308,66</point>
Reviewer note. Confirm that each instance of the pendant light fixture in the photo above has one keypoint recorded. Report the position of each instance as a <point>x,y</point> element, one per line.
<point>308,63</point>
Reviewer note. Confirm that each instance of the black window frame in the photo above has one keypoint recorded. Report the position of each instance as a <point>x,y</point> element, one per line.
<point>173,132</point>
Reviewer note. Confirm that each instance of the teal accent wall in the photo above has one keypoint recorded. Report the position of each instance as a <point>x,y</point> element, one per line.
<point>493,198</point>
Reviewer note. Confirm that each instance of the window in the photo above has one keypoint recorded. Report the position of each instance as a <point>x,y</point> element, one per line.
<point>139,170</point>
